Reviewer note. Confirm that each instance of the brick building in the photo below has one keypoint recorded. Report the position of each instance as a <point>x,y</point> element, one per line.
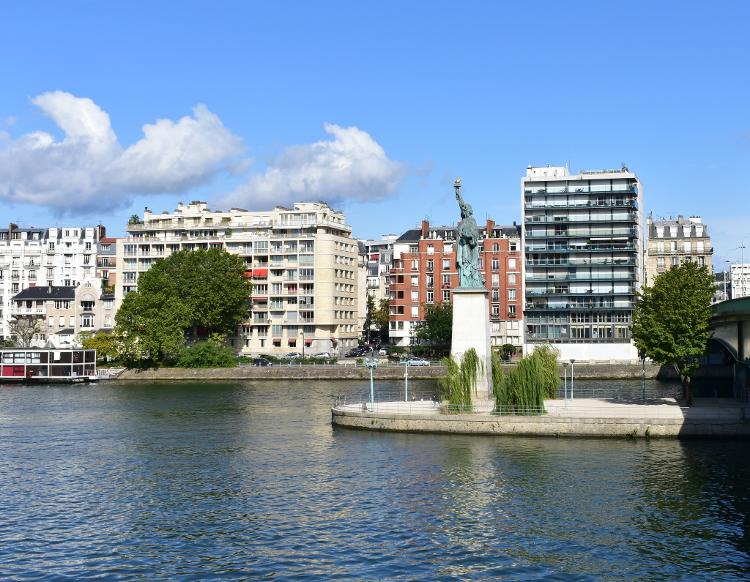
<point>424,272</point>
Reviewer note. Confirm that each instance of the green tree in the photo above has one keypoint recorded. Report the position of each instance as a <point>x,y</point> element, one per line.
<point>671,320</point>
<point>436,329</point>
<point>208,354</point>
<point>104,343</point>
<point>134,219</point>
<point>382,319</point>
<point>369,317</point>
<point>188,291</point>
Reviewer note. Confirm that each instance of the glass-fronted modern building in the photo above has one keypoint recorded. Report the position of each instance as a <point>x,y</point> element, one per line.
<point>582,245</point>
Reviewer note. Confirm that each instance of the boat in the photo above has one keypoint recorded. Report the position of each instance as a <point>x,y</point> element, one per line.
<point>47,365</point>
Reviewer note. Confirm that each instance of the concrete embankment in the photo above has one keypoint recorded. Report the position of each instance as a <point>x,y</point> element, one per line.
<point>598,371</point>
<point>584,418</point>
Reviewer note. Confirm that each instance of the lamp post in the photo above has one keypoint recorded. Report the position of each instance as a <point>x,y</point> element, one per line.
<point>642,356</point>
<point>742,270</point>
<point>728,266</point>
<point>406,382</point>
<point>572,362</point>
<point>371,363</point>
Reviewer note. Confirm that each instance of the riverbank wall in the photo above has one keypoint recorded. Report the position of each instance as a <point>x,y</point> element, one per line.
<point>589,371</point>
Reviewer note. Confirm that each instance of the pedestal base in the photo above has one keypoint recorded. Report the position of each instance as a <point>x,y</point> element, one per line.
<point>471,329</point>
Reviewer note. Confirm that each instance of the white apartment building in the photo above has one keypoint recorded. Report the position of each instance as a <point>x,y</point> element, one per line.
<point>740,275</point>
<point>583,267</point>
<point>375,257</point>
<point>30,257</point>
<point>675,241</point>
<point>302,262</point>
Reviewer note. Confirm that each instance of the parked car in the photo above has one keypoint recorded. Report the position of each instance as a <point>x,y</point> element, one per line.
<point>382,352</point>
<point>414,362</point>
<point>292,356</point>
<point>322,356</point>
<point>357,352</point>
<point>262,362</point>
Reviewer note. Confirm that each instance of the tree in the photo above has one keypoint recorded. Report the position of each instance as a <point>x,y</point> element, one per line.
<point>671,320</point>
<point>24,328</point>
<point>104,343</point>
<point>134,219</point>
<point>200,292</point>
<point>437,327</point>
<point>369,316</point>
<point>382,318</point>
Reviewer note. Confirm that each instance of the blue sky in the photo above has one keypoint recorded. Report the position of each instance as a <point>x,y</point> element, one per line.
<point>373,106</point>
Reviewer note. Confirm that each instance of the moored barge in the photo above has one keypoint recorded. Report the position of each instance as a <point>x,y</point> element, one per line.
<point>47,365</point>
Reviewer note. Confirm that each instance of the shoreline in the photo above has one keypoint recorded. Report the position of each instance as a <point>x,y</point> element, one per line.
<point>589,371</point>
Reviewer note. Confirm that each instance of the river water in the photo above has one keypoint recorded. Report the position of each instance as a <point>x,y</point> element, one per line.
<point>243,480</point>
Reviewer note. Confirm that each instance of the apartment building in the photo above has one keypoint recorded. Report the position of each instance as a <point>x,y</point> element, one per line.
<point>740,276</point>
<point>375,257</point>
<point>424,272</point>
<point>673,241</point>
<point>302,262</point>
<point>582,243</point>
<point>30,257</point>
<point>64,312</point>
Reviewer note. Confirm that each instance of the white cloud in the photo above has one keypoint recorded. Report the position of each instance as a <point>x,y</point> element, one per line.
<point>88,169</point>
<point>351,166</point>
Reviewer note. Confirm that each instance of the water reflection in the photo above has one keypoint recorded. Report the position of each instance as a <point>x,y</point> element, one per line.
<point>249,479</point>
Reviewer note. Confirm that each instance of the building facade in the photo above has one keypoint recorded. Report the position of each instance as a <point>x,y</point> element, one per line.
<point>63,313</point>
<point>674,241</point>
<point>740,275</point>
<point>302,262</point>
<point>424,272</point>
<point>582,243</point>
<point>375,261</point>
<point>31,257</point>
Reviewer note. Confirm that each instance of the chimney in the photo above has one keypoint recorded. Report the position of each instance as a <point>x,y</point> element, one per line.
<point>49,288</point>
<point>490,228</point>
<point>425,228</point>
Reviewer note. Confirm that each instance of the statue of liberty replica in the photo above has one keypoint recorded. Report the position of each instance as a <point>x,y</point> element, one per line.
<point>471,317</point>
<point>469,275</point>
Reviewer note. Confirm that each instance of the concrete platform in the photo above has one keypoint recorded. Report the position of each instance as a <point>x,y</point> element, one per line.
<point>579,418</point>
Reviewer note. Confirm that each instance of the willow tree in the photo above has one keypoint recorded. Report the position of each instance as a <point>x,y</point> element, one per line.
<point>671,320</point>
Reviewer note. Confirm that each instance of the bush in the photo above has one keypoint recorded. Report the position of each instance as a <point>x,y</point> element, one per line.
<point>207,354</point>
<point>524,388</point>
<point>460,381</point>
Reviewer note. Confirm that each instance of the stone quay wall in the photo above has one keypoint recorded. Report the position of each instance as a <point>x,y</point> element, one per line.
<point>599,371</point>
<point>548,426</point>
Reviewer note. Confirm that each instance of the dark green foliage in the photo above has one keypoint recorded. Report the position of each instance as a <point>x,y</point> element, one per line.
<point>104,343</point>
<point>436,329</point>
<point>208,354</point>
<point>459,384</point>
<point>188,291</point>
<point>507,351</point>
<point>523,389</point>
<point>671,319</point>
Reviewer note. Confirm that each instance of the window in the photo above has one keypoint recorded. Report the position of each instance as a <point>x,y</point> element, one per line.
<point>415,281</point>
<point>61,321</point>
<point>675,261</point>
<point>415,296</point>
<point>513,247</point>
<point>511,264</point>
<point>414,265</point>
<point>495,311</point>
<point>446,294</point>
<point>673,246</point>
<point>430,297</point>
<point>415,311</point>
<point>495,280</point>
<point>511,310</point>
<point>446,280</point>
<point>430,266</point>
<point>495,295</point>
<point>72,320</point>
<point>686,246</point>
<point>699,246</point>
<point>511,294</point>
<point>495,264</point>
<point>701,261</point>
<point>512,279</point>
<point>446,265</point>
<point>87,320</point>
<point>660,246</point>
<point>430,249</point>
<point>495,247</point>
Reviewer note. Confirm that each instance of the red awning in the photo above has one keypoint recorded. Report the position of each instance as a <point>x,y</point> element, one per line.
<point>260,273</point>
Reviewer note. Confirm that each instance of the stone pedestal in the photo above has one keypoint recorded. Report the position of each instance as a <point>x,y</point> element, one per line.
<point>471,329</point>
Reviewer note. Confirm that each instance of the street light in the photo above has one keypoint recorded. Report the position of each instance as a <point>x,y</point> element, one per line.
<point>371,363</point>
<point>729,266</point>
<point>572,361</point>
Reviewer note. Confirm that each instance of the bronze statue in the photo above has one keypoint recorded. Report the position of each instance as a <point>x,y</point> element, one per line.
<point>467,254</point>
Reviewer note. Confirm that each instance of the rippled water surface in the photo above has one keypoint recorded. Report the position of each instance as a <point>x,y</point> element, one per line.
<point>249,480</point>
